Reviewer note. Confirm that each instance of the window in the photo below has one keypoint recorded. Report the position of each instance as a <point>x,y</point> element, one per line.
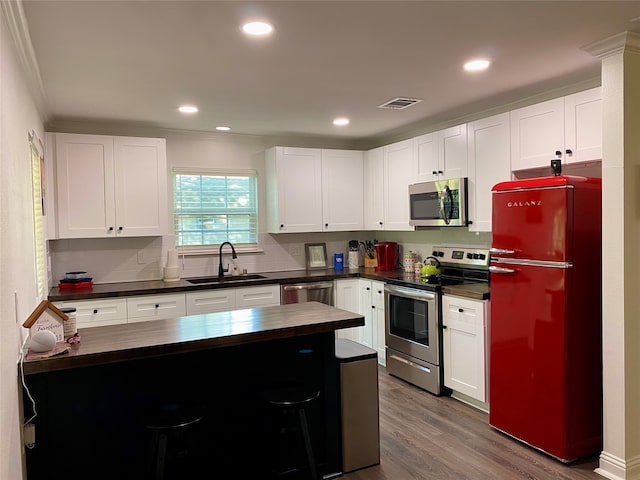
<point>213,206</point>
<point>37,170</point>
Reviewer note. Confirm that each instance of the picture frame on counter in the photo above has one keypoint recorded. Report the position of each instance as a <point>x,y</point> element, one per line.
<point>316,255</point>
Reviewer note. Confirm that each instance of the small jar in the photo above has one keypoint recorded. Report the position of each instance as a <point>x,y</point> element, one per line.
<point>409,262</point>
<point>70,325</point>
<point>417,269</point>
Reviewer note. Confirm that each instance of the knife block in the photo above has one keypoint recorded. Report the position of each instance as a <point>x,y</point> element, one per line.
<point>370,262</point>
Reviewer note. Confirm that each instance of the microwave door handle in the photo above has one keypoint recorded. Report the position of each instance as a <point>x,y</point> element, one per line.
<point>446,192</point>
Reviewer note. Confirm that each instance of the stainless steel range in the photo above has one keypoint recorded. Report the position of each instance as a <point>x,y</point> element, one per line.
<point>413,315</point>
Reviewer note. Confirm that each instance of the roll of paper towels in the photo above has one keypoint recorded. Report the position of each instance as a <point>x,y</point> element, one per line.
<point>172,258</point>
<point>354,260</point>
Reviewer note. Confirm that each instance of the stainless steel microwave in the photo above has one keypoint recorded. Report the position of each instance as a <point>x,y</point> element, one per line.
<point>439,204</point>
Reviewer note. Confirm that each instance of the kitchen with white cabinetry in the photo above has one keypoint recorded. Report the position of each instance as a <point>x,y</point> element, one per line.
<point>110,186</point>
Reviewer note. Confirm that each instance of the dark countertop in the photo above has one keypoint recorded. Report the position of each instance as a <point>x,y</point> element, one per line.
<point>151,287</point>
<point>118,343</point>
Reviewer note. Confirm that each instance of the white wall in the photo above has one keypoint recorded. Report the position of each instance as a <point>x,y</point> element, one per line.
<point>18,115</point>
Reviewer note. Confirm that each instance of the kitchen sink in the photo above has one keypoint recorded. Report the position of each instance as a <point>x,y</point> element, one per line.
<point>239,278</point>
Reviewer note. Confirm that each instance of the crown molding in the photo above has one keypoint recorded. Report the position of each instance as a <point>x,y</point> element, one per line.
<point>620,43</point>
<point>15,19</point>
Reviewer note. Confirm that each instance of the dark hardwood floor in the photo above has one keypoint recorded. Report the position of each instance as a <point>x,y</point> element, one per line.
<point>427,437</point>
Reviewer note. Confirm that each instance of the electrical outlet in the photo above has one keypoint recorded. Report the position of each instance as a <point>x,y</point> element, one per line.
<point>29,435</point>
<point>142,259</point>
<point>295,250</point>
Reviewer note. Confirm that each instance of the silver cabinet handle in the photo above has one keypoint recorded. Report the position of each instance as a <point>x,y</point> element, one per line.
<point>494,269</point>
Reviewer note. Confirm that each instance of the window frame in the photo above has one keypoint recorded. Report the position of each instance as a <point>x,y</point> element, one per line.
<point>209,249</point>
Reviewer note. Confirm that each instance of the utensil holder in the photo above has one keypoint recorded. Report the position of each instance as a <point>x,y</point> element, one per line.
<point>370,262</point>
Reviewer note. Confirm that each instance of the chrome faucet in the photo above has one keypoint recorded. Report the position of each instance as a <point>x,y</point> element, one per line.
<point>221,270</point>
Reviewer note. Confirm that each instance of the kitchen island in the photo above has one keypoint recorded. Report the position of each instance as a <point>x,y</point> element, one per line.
<point>91,402</point>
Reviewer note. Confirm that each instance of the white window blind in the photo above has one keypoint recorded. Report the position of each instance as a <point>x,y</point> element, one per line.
<point>215,206</point>
<point>37,162</point>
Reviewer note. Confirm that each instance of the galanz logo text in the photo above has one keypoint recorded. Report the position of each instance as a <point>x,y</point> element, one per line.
<point>532,203</point>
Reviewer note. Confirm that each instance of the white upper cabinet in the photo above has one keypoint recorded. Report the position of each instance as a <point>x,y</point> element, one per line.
<point>399,170</point>
<point>569,128</point>
<point>342,190</point>
<point>294,189</point>
<point>583,126</point>
<point>110,186</point>
<point>373,189</point>
<point>441,155</point>
<point>489,163</point>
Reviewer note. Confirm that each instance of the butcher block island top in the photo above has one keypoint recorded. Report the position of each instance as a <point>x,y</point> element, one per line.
<point>117,343</point>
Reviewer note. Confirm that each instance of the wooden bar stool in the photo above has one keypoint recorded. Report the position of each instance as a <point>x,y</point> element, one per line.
<point>174,441</point>
<point>289,417</point>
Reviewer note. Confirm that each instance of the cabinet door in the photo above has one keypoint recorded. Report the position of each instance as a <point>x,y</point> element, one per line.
<point>342,190</point>
<point>399,171</point>
<point>583,126</point>
<point>425,151</point>
<point>98,313</point>
<point>294,189</point>
<point>464,346</point>
<point>155,307</point>
<point>489,163</point>
<point>348,298</point>
<point>140,186</point>
<point>261,296</point>
<point>373,189</point>
<point>208,301</point>
<point>452,151</point>
<point>378,320</point>
<point>537,132</point>
<point>85,177</point>
<point>365,299</point>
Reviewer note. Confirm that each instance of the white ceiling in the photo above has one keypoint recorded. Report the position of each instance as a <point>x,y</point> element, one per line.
<point>136,61</point>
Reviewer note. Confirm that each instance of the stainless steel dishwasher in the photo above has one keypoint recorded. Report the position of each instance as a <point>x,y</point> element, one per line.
<point>307,292</point>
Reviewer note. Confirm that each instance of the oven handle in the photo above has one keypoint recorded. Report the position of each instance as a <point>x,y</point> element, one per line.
<point>411,364</point>
<point>409,292</point>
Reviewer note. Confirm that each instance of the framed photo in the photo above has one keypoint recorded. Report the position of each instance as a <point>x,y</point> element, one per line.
<point>316,254</point>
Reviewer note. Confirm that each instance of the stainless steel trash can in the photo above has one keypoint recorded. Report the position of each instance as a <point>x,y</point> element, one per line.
<point>359,405</point>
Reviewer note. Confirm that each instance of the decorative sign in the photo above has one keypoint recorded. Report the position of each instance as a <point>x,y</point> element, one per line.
<point>47,316</point>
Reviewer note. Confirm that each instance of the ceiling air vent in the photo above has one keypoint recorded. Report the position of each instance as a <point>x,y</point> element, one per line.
<point>399,103</point>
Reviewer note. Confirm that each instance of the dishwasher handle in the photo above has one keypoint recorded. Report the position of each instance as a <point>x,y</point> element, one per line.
<point>306,286</point>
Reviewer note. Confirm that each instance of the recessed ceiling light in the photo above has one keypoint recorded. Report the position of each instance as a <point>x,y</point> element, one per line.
<point>187,109</point>
<point>341,121</point>
<point>223,128</point>
<point>257,28</point>
<point>477,65</point>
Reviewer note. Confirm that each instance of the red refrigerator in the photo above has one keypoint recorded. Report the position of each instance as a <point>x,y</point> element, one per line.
<point>545,371</point>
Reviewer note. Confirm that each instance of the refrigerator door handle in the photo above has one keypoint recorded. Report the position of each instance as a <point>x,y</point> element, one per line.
<point>501,251</point>
<point>494,269</point>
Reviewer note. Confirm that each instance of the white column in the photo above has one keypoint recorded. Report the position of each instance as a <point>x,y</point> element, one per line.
<point>620,55</point>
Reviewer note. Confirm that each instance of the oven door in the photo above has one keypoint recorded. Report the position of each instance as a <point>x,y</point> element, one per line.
<point>411,323</point>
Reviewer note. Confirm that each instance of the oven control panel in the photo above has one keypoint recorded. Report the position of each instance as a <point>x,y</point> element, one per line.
<point>462,256</point>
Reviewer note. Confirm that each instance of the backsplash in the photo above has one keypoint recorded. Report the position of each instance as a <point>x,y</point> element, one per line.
<point>143,258</point>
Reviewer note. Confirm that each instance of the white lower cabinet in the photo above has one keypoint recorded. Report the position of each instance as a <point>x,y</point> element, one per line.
<point>99,312</point>
<point>261,296</point>
<point>155,307</point>
<point>224,299</point>
<point>464,332</point>
<point>365,297</point>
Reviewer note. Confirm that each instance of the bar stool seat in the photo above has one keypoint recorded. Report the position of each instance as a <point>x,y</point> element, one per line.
<point>174,441</point>
<point>289,407</point>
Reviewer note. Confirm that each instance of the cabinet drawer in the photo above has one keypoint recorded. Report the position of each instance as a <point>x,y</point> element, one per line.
<point>207,301</point>
<point>98,313</point>
<point>155,307</point>
<point>261,296</point>
<point>463,314</point>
